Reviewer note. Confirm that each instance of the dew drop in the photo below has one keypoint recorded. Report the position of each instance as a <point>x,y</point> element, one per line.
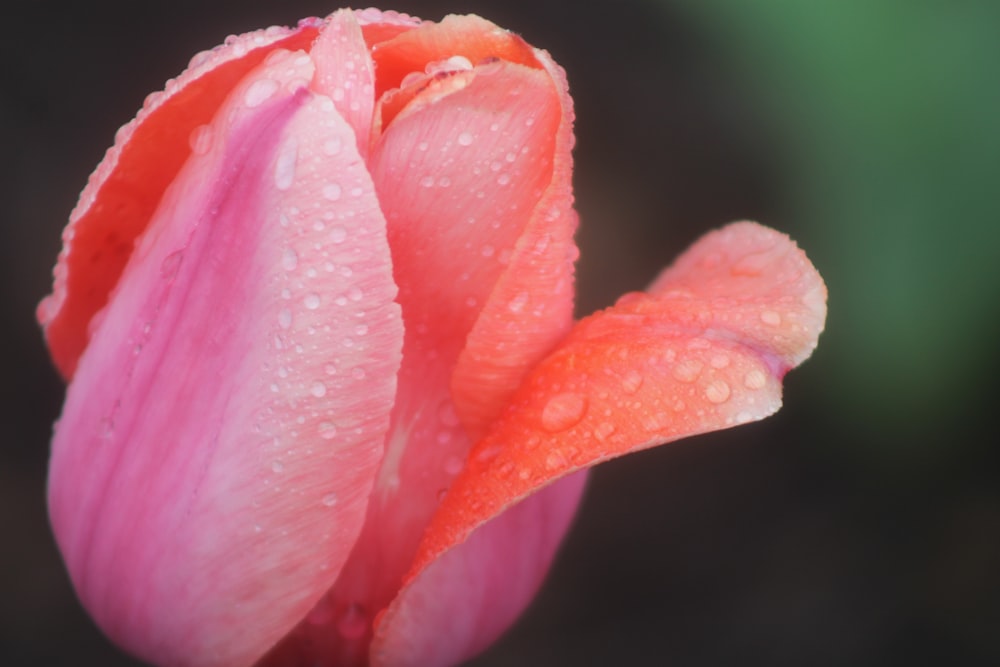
<point>518,303</point>
<point>332,146</point>
<point>487,251</point>
<point>259,92</point>
<point>755,379</point>
<point>353,624</point>
<point>719,360</point>
<point>465,139</point>
<point>327,431</point>
<point>318,389</point>
<point>446,413</point>
<point>171,265</point>
<point>329,500</point>
<point>200,139</point>
<point>277,466</point>
<point>338,234</point>
<point>311,301</point>
<point>332,191</point>
<point>770,318</point>
<point>687,370</point>
<point>603,430</point>
<point>289,259</point>
<point>563,411</point>
<point>285,318</point>
<point>354,294</point>
<point>555,460</point>
<point>503,179</point>
<point>453,465</point>
<point>427,181</point>
<point>631,382</point>
<point>717,391</point>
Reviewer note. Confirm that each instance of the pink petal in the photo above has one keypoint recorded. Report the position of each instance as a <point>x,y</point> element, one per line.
<point>470,173</point>
<point>213,462</point>
<point>705,351</point>
<point>345,73</point>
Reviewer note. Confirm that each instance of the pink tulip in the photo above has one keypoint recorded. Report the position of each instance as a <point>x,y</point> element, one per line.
<point>327,397</point>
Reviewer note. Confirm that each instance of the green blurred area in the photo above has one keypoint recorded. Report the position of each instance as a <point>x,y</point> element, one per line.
<point>887,120</point>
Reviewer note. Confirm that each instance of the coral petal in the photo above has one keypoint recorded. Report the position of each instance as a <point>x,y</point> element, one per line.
<point>126,188</point>
<point>531,306</point>
<point>471,37</point>
<point>703,352</point>
<point>213,462</point>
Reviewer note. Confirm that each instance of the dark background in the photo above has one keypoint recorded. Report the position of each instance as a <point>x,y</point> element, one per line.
<point>861,525</point>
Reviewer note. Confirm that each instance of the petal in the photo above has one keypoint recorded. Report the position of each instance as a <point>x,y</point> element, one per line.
<point>470,36</point>
<point>705,351</point>
<point>213,462</point>
<point>461,180</point>
<point>531,306</point>
<point>345,73</point>
<point>126,188</point>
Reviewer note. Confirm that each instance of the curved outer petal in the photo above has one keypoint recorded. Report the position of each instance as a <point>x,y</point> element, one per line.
<point>213,462</point>
<point>474,177</point>
<point>706,350</point>
<point>125,190</point>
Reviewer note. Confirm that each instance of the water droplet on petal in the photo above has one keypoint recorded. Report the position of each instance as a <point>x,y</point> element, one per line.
<point>311,301</point>
<point>289,259</point>
<point>453,465</point>
<point>717,391</point>
<point>259,92</point>
<point>332,146</point>
<point>687,370</point>
<point>327,431</point>
<point>770,318</point>
<point>200,139</point>
<point>518,303</point>
<point>631,382</point>
<point>353,624</point>
<point>755,379</point>
<point>277,466</point>
<point>555,460</point>
<point>465,139</point>
<point>318,389</point>
<point>171,265</point>
<point>446,413</point>
<point>338,234</point>
<point>332,191</point>
<point>563,411</point>
<point>285,318</point>
<point>329,500</point>
<point>604,430</point>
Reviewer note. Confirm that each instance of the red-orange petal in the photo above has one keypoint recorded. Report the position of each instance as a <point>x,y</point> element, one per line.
<point>704,351</point>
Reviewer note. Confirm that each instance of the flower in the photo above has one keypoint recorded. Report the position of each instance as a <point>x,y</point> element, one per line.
<point>327,402</point>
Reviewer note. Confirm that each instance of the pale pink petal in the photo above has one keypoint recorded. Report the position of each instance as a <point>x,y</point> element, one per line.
<point>706,351</point>
<point>345,73</point>
<point>213,462</point>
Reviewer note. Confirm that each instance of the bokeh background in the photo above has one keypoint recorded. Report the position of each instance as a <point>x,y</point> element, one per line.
<point>861,525</point>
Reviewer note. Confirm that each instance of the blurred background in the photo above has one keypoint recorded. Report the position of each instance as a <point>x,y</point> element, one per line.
<point>859,526</point>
